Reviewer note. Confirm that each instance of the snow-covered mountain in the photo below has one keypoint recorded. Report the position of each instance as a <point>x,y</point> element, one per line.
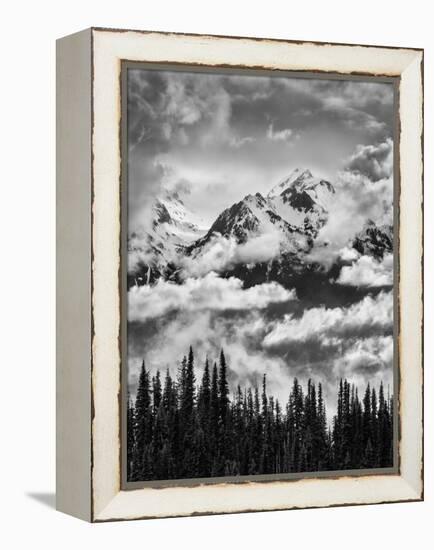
<point>153,252</point>
<point>374,240</point>
<point>302,181</point>
<point>293,213</point>
<point>252,217</point>
<point>303,200</point>
<point>183,224</point>
<point>295,208</point>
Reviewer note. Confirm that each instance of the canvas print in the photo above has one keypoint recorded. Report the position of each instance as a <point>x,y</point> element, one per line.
<point>259,274</point>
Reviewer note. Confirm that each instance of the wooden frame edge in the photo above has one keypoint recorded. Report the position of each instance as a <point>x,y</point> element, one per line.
<point>415,493</point>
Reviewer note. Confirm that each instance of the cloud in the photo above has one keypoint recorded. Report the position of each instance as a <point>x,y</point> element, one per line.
<point>238,142</point>
<point>194,122</point>
<point>357,200</point>
<point>208,332</point>
<point>359,353</point>
<point>366,356</point>
<point>361,107</point>
<point>222,253</point>
<point>185,108</point>
<point>181,186</point>
<point>207,293</point>
<point>367,360</point>
<point>373,161</point>
<point>279,135</point>
<point>260,248</point>
<point>368,272</point>
<point>348,254</point>
<point>323,344</point>
<point>351,117</point>
<point>145,181</point>
<point>370,315</point>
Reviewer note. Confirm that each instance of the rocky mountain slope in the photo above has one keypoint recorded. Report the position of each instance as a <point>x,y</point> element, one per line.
<point>291,214</point>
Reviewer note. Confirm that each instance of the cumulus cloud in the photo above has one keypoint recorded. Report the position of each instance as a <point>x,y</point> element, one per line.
<point>279,135</point>
<point>358,199</point>
<point>238,142</point>
<point>324,324</point>
<point>222,253</point>
<point>373,161</point>
<point>366,356</point>
<point>207,293</point>
<point>352,117</point>
<point>139,253</point>
<point>324,344</point>
<point>208,332</point>
<point>348,254</point>
<point>354,342</point>
<point>368,272</point>
<point>181,186</point>
<point>368,359</point>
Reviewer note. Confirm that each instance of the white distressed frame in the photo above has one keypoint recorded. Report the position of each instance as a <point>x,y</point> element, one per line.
<point>107,500</point>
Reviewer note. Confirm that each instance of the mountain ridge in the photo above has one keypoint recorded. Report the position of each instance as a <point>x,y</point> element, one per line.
<point>293,212</point>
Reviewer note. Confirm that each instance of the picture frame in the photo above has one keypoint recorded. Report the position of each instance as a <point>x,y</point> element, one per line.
<point>91,306</point>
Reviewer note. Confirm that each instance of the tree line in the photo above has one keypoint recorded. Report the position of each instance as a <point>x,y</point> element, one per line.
<point>177,429</point>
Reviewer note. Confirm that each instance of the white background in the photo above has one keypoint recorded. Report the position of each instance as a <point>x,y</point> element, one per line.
<point>27,191</point>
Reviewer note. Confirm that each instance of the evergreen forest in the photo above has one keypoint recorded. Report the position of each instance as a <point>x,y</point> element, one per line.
<point>182,427</point>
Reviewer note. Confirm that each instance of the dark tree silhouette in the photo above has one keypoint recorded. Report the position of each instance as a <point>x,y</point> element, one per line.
<point>143,427</point>
<point>131,439</point>
<point>180,430</point>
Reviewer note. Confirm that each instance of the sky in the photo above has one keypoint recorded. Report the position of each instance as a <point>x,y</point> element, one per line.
<point>224,135</point>
<point>216,138</point>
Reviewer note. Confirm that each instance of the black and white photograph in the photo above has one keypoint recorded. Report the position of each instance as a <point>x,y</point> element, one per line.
<point>259,273</point>
<point>217,249</point>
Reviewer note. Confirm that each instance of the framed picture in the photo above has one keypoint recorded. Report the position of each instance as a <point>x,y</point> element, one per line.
<point>239,274</point>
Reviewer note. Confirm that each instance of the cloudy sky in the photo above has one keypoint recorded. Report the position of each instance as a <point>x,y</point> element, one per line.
<point>215,138</point>
<point>224,135</point>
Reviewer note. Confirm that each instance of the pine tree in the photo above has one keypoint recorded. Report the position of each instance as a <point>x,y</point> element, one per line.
<point>143,422</point>
<point>190,384</point>
<point>170,404</point>
<point>338,431</point>
<point>238,430</point>
<point>323,455</point>
<point>214,420</point>
<point>374,423</point>
<point>160,438</point>
<point>223,388</point>
<point>181,383</point>
<point>169,394</point>
<point>180,431</point>
<point>131,440</point>
<point>224,430</point>
<point>156,392</point>
<point>204,423</point>
<point>277,440</point>
<point>251,432</point>
<point>204,397</point>
<point>367,421</point>
<point>214,400</point>
<point>264,458</point>
<point>189,418</point>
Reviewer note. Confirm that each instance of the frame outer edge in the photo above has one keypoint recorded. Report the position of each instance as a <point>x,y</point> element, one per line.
<point>114,511</point>
<point>73,275</point>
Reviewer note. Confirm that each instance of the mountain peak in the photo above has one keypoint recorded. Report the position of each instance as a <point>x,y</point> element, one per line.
<point>296,177</point>
<point>298,173</point>
<point>254,200</point>
<point>374,240</point>
<point>299,181</point>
